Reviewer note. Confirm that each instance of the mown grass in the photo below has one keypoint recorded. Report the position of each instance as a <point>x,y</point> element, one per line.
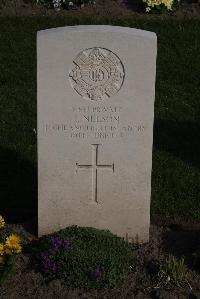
<point>176,153</point>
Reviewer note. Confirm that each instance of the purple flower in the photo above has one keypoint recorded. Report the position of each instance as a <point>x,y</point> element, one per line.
<point>47,264</point>
<point>66,244</point>
<point>53,267</point>
<point>97,273</point>
<point>46,256</point>
<point>52,250</point>
<point>56,241</point>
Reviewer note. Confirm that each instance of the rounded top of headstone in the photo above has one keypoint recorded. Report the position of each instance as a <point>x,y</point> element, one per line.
<point>104,28</point>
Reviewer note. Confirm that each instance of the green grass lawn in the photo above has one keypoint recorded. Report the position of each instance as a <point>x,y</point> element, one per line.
<point>176,153</point>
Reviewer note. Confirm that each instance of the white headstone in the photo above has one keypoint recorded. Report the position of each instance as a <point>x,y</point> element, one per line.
<point>95,128</point>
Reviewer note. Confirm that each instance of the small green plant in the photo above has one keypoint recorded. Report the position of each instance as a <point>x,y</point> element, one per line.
<point>83,257</point>
<point>173,271</point>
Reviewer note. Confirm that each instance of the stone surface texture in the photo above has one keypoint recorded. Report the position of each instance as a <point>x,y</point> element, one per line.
<point>96,88</point>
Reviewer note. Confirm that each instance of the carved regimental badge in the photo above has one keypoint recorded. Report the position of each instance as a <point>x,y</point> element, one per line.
<point>97,74</point>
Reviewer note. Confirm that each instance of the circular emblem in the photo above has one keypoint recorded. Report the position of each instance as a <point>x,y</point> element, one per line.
<point>97,74</point>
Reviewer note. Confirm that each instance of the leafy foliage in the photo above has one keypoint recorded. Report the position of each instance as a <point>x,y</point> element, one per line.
<point>83,257</point>
<point>6,268</point>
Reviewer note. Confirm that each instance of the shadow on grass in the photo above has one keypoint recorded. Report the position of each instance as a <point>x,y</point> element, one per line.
<point>135,5</point>
<point>18,188</point>
<point>182,139</point>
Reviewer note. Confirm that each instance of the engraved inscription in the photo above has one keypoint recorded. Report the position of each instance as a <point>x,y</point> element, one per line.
<point>95,166</point>
<point>97,74</point>
<point>102,123</point>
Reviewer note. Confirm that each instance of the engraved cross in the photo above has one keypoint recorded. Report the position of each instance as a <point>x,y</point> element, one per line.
<point>95,166</point>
